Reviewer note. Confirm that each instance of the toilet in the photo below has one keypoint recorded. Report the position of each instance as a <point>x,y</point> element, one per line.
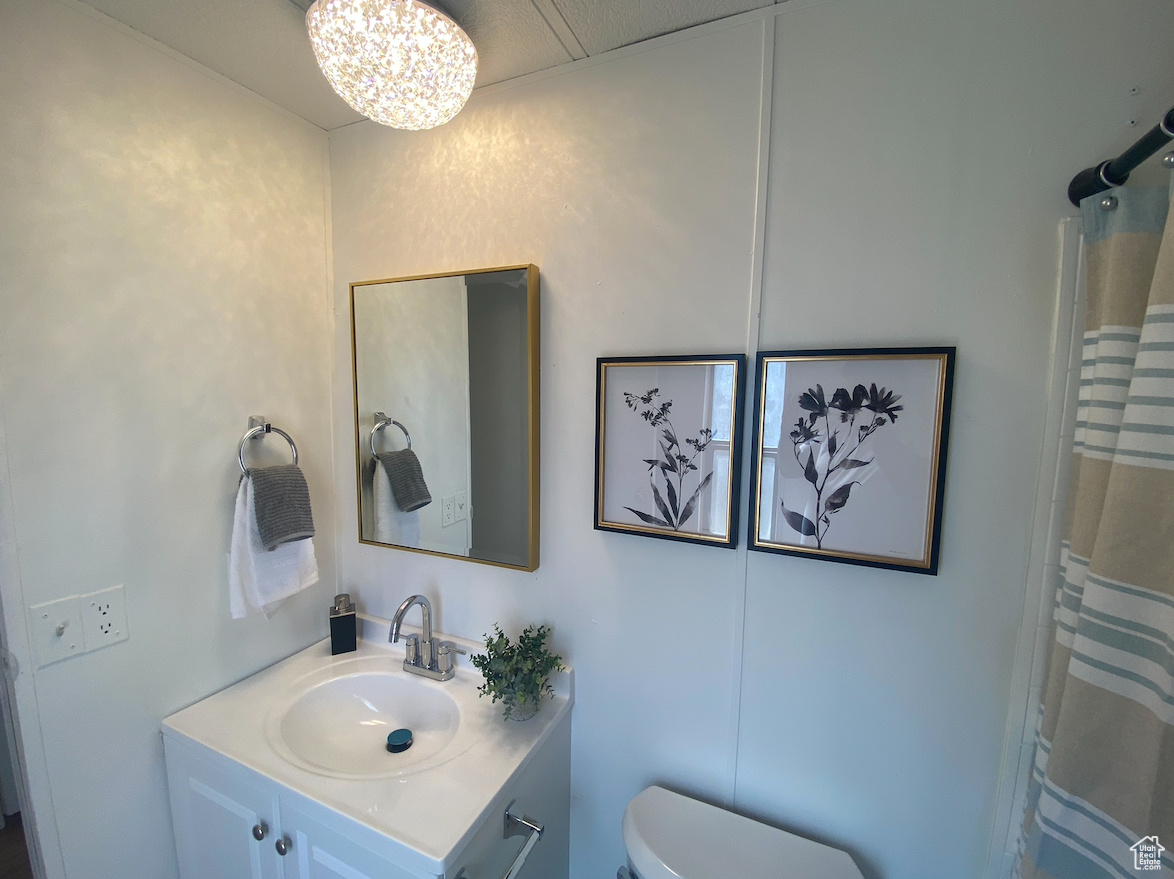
<point>670,836</point>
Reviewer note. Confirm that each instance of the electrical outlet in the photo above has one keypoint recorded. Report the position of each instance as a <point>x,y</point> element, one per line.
<point>448,511</point>
<point>104,617</point>
<point>462,511</point>
<point>56,628</point>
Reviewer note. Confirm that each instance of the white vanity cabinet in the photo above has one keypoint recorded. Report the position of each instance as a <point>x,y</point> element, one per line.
<point>220,808</point>
<point>217,811</point>
<point>317,851</point>
<point>241,811</point>
<point>229,823</point>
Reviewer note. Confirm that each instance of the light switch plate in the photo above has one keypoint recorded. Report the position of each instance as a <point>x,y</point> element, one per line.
<point>462,511</point>
<point>56,628</point>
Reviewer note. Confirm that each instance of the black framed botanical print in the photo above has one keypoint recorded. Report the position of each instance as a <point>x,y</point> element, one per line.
<point>668,446</point>
<point>850,454</point>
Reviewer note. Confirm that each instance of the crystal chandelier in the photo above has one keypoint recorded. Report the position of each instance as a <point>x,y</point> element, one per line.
<point>398,62</point>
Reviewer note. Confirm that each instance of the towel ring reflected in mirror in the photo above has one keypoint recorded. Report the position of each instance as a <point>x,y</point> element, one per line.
<point>381,421</point>
<point>455,355</point>
<point>257,431</point>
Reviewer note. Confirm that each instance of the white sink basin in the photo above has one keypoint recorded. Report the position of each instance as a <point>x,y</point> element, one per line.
<point>316,725</point>
<point>335,722</point>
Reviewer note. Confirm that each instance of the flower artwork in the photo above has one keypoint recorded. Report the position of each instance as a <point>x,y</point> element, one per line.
<point>668,447</point>
<point>832,461</point>
<point>673,465</point>
<point>850,455</point>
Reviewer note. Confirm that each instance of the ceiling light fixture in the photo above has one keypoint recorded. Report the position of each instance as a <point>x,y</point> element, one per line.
<point>398,62</point>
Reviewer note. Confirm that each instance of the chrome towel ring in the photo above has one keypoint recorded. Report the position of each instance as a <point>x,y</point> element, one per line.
<point>257,426</point>
<point>381,421</point>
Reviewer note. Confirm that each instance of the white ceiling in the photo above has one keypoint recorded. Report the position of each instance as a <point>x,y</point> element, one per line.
<point>262,44</point>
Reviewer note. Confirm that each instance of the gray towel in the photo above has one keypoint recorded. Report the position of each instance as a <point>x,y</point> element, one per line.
<point>407,479</point>
<point>281,500</point>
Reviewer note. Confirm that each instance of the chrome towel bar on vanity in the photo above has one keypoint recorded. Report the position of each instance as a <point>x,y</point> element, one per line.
<point>258,425</point>
<point>513,825</point>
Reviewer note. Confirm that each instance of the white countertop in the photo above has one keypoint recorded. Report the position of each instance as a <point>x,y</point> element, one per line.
<point>422,819</point>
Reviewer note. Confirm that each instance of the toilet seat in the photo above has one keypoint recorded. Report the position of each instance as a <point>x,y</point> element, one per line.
<point>670,836</point>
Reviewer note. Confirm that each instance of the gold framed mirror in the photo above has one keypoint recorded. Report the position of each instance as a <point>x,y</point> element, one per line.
<point>446,383</point>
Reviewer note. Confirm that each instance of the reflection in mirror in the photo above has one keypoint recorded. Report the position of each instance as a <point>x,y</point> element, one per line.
<point>446,414</point>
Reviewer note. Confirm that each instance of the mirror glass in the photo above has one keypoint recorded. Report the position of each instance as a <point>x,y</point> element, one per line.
<point>446,413</point>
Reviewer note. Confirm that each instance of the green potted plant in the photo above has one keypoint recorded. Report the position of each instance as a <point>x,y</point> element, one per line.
<point>517,673</point>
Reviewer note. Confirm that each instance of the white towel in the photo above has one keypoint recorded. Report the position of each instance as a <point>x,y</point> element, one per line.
<point>392,525</point>
<point>260,579</point>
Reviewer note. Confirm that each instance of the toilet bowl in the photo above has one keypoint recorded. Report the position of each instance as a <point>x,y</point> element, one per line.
<point>670,836</point>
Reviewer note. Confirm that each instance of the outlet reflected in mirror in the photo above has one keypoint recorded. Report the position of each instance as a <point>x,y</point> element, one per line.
<point>446,414</point>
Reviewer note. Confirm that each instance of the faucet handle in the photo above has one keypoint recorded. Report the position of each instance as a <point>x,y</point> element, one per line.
<point>411,646</point>
<point>444,652</point>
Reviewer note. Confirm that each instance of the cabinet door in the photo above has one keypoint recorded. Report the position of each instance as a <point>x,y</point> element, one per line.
<point>215,814</point>
<point>317,851</point>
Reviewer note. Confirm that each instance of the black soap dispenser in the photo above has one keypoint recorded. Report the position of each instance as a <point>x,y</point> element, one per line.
<point>342,625</point>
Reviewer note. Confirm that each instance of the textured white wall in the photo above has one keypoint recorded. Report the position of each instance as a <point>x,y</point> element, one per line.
<point>163,276</point>
<point>631,184</point>
<point>918,159</point>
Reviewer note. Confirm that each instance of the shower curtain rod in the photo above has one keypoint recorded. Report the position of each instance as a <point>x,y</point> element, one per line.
<point>1114,172</point>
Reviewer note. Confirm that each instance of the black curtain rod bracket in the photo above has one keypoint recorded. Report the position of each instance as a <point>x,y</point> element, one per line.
<point>1115,172</point>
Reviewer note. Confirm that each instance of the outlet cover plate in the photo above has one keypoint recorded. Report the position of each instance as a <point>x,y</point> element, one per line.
<point>46,620</point>
<point>104,617</point>
<point>448,507</point>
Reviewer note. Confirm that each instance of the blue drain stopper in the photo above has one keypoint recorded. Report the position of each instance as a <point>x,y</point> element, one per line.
<point>399,740</point>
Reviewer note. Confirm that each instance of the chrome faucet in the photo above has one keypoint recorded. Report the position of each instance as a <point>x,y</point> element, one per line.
<point>422,656</point>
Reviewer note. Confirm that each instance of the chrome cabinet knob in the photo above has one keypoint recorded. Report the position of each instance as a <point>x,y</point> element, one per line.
<point>260,831</point>
<point>283,845</point>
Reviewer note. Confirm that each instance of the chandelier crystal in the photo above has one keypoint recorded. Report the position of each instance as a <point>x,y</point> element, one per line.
<point>398,62</point>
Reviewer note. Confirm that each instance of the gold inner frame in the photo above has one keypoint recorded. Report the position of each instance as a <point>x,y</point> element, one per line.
<point>601,403</point>
<point>533,386</point>
<point>931,505</point>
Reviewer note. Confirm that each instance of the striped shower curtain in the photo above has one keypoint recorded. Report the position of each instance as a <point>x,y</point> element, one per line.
<point>1101,795</point>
